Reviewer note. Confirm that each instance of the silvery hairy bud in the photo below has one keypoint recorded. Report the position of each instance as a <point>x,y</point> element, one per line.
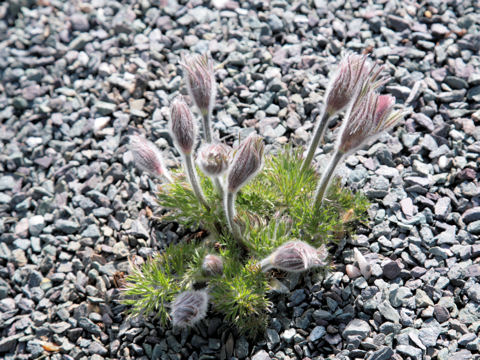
<point>213,158</point>
<point>200,79</point>
<point>295,256</point>
<point>212,265</point>
<point>369,116</point>
<point>189,307</point>
<point>246,162</point>
<point>147,157</point>
<point>182,126</point>
<point>346,83</point>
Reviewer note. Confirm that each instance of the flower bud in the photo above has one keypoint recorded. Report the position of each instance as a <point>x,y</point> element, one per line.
<point>369,116</point>
<point>189,307</point>
<point>295,256</point>
<point>346,83</point>
<point>213,158</point>
<point>212,265</point>
<point>246,163</point>
<point>147,157</point>
<point>182,126</point>
<point>200,79</point>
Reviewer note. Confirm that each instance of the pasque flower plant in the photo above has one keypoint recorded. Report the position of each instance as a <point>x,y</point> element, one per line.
<point>261,212</point>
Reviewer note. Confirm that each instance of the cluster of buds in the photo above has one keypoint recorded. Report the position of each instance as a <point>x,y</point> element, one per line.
<point>295,256</point>
<point>214,158</point>
<point>368,113</point>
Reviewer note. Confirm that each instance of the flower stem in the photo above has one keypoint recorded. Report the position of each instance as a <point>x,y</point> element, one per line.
<point>166,175</point>
<point>193,178</point>
<point>218,185</point>
<point>207,130</point>
<point>326,177</point>
<point>230,215</point>
<point>317,136</point>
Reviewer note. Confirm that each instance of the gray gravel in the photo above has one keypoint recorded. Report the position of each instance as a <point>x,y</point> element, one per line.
<point>78,77</point>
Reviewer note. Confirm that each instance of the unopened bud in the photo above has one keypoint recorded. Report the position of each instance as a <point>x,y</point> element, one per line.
<point>246,163</point>
<point>182,126</point>
<point>200,79</point>
<point>213,158</point>
<point>147,157</point>
<point>189,307</point>
<point>295,256</point>
<point>212,265</point>
<point>346,82</point>
<point>368,117</point>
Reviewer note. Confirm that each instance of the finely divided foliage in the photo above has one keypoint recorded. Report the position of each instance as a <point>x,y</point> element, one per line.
<point>261,212</point>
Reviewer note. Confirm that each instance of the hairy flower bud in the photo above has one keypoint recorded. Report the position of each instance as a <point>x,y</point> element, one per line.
<point>189,307</point>
<point>200,79</point>
<point>295,256</point>
<point>147,157</point>
<point>212,265</point>
<point>246,163</point>
<point>213,158</point>
<point>369,116</point>
<point>182,126</point>
<point>346,83</point>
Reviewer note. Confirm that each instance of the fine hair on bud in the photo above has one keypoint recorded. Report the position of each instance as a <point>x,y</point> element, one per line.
<point>369,116</point>
<point>212,265</point>
<point>189,307</point>
<point>295,256</point>
<point>147,156</point>
<point>346,82</point>
<point>200,79</point>
<point>246,162</point>
<point>182,126</point>
<point>213,158</point>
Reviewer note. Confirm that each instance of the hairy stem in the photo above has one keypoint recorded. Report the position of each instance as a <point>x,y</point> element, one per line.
<point>230,215</point>
<point>207,130</point>
<point>166,175</point>
<point>218,185</point>
<point>317,136</point>
<point>326,177</point>
<point>193,178</point>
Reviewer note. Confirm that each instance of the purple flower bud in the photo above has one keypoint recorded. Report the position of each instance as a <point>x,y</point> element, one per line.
<point>147,157</point>
<point>189,307</point>
<point>182,126</point>
<point>212,265</point>
<point>295,256</point>
<point>246,163</point>
<point>200,79</point>
<point>346,83</point>
<point>213,158</point>
<point>369,116</point>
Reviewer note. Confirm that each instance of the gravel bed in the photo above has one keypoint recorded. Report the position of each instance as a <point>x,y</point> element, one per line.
<point>78,77</point>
